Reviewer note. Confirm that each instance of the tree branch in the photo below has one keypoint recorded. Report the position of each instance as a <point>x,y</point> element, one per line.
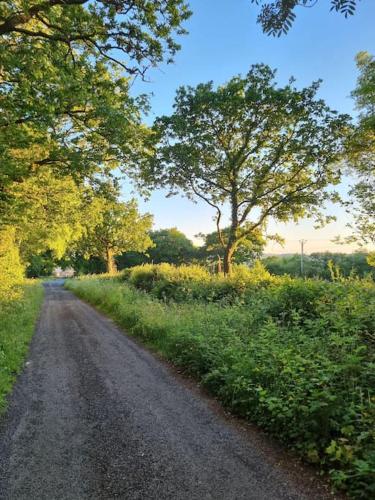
<point>15,20</point>
<point>219,214</point>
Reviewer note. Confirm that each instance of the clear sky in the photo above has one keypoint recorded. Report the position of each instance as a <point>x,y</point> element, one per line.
<point>224,40</point>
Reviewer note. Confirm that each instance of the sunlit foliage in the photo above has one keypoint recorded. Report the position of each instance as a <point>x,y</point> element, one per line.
<point>11,267</point>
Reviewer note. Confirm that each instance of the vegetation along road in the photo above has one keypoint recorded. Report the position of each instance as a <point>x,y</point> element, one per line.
<point>96,416</point>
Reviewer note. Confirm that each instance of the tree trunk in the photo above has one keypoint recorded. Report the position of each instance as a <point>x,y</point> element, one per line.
<point>228,254</point>
<point>110,262</point>
<point>232,237</point>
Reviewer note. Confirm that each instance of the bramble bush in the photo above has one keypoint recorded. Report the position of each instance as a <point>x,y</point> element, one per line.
<point>295,356</point>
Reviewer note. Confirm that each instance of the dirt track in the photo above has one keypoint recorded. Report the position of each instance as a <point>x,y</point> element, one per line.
<point>95,416</point>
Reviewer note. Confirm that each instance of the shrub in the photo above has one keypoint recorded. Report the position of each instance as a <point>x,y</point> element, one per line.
<point>11,268</point>
<point>186,283</point>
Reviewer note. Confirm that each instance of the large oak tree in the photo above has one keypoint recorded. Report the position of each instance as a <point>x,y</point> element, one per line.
<point>266,151</point>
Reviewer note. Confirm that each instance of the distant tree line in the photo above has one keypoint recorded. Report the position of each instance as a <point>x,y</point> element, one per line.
<point>165,245</point>
<point>325,265</point>
<point>174,247</point>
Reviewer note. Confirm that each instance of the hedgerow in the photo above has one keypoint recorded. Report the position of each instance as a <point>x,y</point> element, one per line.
<point>296,357</point>
<point>186,283</point>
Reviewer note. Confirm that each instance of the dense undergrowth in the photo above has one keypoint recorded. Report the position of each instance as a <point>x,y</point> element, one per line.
<point>11,267</point>
<point>295,356</point>
<point>18,317</point>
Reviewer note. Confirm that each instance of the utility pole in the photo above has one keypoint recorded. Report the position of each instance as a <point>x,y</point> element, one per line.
<point>219,269</point>
<point>302,245</point>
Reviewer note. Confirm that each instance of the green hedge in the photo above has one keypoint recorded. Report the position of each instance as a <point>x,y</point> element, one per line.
<point>296,357</point>
<point>17,323</point>
<point>186,283</point>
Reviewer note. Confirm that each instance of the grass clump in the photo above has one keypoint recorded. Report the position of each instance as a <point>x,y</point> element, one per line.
<point>296,357</point>
<point>18,317</point>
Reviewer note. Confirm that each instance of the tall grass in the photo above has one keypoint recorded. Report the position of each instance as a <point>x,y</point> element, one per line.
<point>18,317</point>
<point>297,357</point>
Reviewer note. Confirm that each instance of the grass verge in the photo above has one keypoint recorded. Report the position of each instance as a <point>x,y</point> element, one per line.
<point>17,323</point>
<point>309,381</point>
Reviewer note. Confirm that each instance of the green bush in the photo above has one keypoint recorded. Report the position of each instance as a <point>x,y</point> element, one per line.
<point>297,357</point>
<point>17,323</point>
<point>11,268</point>
<point>186,283</point>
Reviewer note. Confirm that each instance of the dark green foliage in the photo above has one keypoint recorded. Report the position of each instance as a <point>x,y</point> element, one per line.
<point>140,33</point>
<point>171,246</point>
<point>41,265</point>
<point>130,259</point>
<point>298,358</point>
<point>91,265</point>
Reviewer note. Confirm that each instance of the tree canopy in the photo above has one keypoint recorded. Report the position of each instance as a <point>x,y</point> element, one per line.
<point>48,213</point>
<point>171,246</point>
<point>265,151</point>
<point>277,17</point>
<point>135,35</point>
<point>64,82</point>
<point>118,227</point>
<point>361,154</point>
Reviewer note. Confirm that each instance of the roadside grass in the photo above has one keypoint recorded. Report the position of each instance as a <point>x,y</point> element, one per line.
<point>295,357</point>
<point>17,323</point>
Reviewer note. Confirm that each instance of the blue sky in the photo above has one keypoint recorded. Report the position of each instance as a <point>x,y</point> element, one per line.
<point>224,40</point>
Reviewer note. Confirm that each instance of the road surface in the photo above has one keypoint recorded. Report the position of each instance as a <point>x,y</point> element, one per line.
<point>95,416</point>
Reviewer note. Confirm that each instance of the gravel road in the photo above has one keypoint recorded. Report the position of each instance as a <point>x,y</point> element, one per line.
<point>95,416</point>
